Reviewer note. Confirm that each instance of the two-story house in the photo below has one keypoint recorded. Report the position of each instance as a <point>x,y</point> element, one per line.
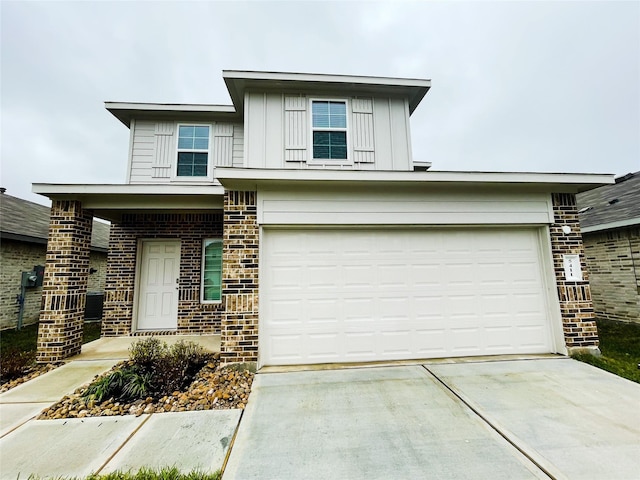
<point>297,225</point>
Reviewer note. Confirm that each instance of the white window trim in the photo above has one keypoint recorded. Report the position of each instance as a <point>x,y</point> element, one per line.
<point>330,161</point>
<point>202,262</point>
<point>174,170</point>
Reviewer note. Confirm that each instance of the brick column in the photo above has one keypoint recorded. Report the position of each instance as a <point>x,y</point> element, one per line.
<point>65,281</point>
<point>239,332</point>
<point>576,306</point>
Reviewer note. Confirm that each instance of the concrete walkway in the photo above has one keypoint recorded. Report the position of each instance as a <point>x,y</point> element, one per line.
<point>537,418</point>
<point>78,447</point>
<point>509,419</point>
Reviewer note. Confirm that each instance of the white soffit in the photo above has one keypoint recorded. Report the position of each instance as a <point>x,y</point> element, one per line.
<point>125,111</point>
<point>238,178</point>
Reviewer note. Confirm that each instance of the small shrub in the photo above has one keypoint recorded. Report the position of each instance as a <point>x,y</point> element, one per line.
<point>178,367</point>
<point>145,353</point>
<point>15,363</point>
<point>122,384</point>
<point>154,370</point>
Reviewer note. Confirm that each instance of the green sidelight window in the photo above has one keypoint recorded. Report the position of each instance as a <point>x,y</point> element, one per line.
<point>329,123</point>
<point>212,270</point>
<point>193,150</point>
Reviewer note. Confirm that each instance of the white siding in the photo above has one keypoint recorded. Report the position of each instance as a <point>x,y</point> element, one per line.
<point>238,145</point>
<point>143,152</point>
<point>393,151</point>
<point>278,132</point>
<point>370,206</point>
<point>153,150</point>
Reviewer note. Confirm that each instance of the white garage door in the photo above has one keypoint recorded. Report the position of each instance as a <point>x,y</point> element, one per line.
<point>354,295</point>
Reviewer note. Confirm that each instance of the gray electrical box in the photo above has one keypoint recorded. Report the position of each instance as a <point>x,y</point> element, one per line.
<point>29,279</point>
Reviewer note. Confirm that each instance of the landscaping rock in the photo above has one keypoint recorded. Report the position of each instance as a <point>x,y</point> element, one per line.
<point>213,388</point>
<point>31,373</point>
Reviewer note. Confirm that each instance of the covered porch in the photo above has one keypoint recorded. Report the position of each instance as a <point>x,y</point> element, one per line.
<point>174,220</point>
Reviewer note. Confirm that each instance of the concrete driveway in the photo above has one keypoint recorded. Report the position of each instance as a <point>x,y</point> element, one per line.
<point>542,418</point>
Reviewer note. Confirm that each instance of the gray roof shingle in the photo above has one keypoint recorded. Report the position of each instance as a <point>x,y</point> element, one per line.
<point>29,222</point>
<point>609,204</point>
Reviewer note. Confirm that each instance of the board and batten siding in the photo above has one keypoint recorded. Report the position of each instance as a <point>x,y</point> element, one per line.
<point>278,132</point>
<point>153,149</point>
<point>344,206</point>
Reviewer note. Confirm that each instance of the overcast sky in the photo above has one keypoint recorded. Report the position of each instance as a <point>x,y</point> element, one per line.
<point>516,86</point>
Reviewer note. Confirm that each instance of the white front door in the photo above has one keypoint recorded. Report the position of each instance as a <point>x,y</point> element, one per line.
<point>158,285</point>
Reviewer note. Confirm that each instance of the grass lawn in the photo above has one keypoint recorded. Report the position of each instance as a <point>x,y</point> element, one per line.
<point>169,473</point>
<point>26,339</point>
<point>620,347</point>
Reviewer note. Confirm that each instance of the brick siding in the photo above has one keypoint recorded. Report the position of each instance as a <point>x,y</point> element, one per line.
<point>65,281</point>
<point>191,229</point>
<point>239,336</point>
<point>613,259</point>
<point>576,307</point>
<point>17,257</point>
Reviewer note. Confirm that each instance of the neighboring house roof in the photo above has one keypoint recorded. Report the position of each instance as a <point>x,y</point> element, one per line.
<point>611,206</point>
<point>29,222</point>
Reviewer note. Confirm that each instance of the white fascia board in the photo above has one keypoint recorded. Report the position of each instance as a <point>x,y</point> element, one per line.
<point>169,107</point>
<point>59,190</point>
<point>561,182</point>
<point>111,201</point>
<point>610,226</point>
<point>238,82</point>
<point>324,78</point>
<point>126,111</point>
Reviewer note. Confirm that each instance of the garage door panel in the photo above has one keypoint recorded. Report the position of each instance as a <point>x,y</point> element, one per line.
<point>364,295</point>
<point>359,345</point>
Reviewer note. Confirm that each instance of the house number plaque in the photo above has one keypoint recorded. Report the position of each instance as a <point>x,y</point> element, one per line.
<point>572,268</point>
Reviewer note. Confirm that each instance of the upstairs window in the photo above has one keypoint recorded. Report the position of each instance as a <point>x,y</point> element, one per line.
<point>193,150</point>
<point>212,270</point>
<point>329,124</point>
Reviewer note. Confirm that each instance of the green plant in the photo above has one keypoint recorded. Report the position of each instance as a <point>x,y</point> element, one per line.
<point>178,366</point>
<point>145,353</point>
<point>166,473</point>
<point>122,384</point>
<point>154,369</point>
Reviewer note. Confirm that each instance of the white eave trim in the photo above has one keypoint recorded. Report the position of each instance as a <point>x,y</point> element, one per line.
<point>169,107</point>
<point>127,111</point>
<point>66,190</point>
<point>570,182</point>
<point>610,226</point>
<point>110,202</point>
<point>325,78</point>
<point>238,82</point>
